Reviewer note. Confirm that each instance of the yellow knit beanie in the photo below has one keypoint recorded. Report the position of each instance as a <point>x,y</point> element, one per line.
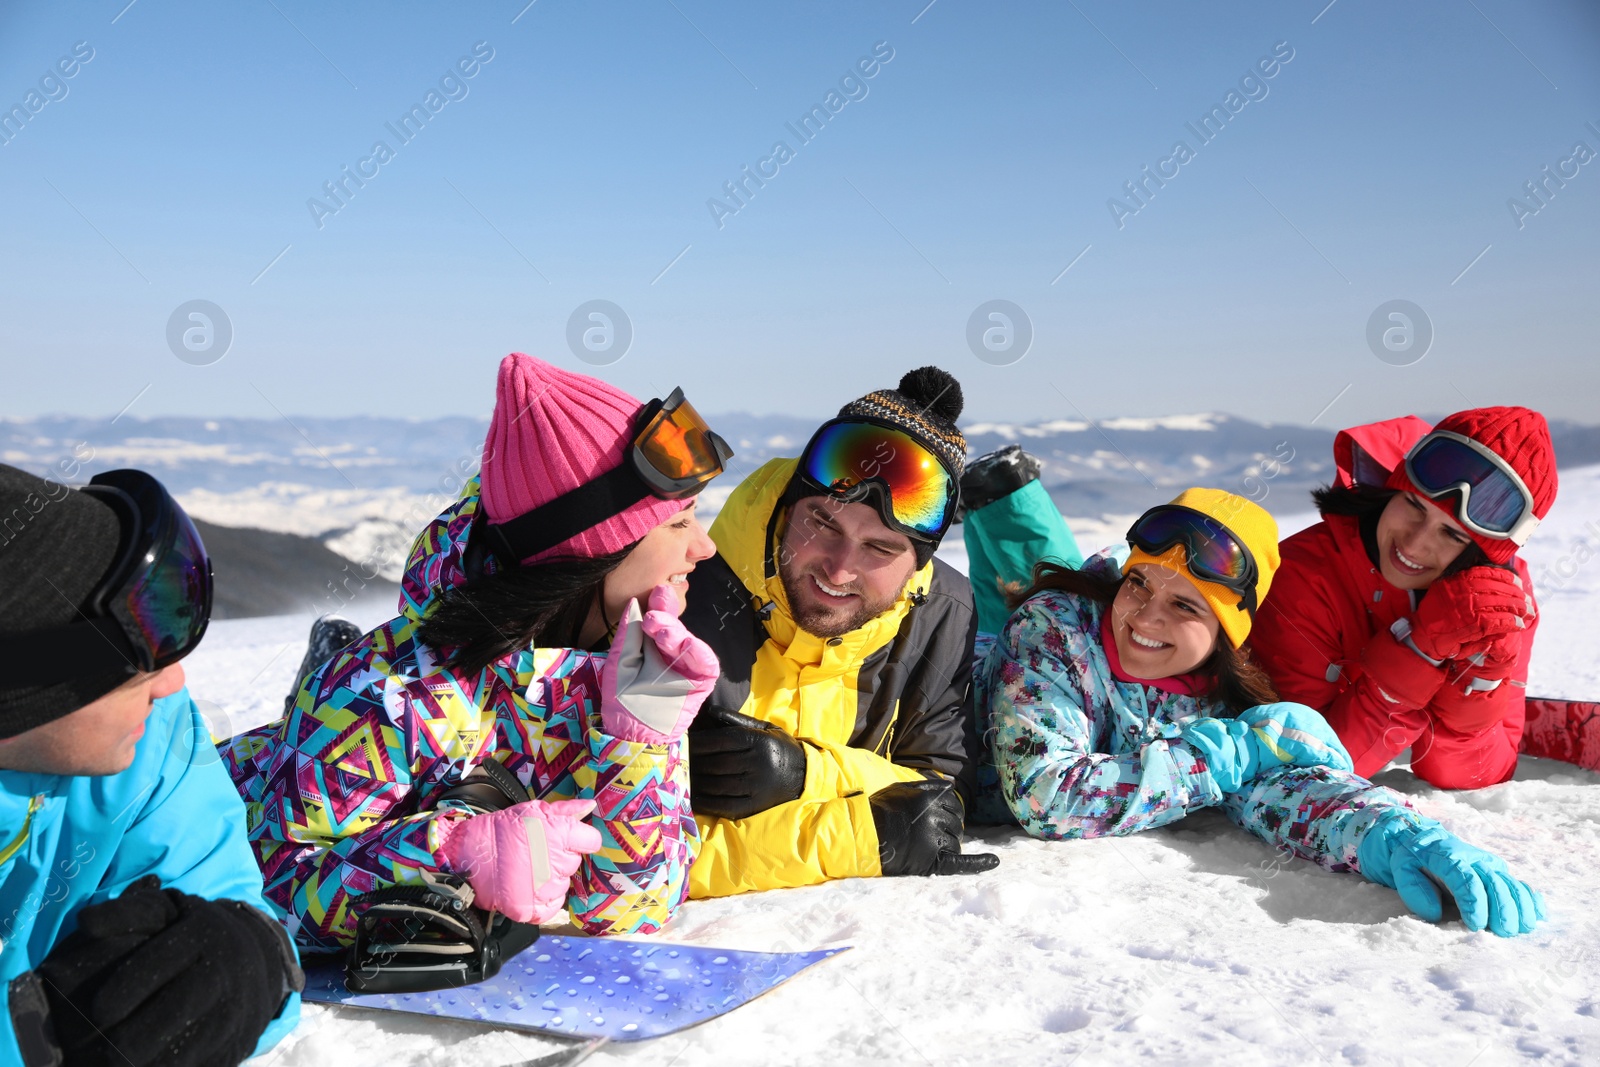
<point>1250,523</point>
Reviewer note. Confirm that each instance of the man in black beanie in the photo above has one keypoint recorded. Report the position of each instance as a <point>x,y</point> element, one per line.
<point>131,913</point>
<point>838,741</point>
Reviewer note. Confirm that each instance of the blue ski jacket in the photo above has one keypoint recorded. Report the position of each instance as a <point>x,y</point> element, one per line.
<point>69,842</point>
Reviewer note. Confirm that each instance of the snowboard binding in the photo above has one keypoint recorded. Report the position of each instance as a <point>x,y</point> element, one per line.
<point>421,937</point>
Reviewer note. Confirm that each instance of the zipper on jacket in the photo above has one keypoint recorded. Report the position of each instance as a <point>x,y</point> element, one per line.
<point>888,731</point>
<point>21,839</point>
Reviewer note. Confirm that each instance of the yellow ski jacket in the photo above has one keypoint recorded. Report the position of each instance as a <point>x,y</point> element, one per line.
<point>888,702</point>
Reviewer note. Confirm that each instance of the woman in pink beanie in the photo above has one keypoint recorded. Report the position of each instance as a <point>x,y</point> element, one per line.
<point>516,732</point>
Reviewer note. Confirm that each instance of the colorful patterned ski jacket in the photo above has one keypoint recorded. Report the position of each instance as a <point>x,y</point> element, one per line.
<point>1073,752</point>
<point>887,702</point>
<point>342,794</point>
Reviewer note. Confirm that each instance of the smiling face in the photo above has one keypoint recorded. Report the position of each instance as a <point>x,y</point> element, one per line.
<point>1417,541</point>
<point>98,738</point>
<point>841,566</point>
<point>664,556</point>
<point>1161,624</point>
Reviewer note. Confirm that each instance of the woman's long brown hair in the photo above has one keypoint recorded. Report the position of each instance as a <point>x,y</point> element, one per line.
<point>1236,681</point>
<point>493,615</point>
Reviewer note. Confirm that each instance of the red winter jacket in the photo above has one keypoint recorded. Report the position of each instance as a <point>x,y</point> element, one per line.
<point>1324,637</point>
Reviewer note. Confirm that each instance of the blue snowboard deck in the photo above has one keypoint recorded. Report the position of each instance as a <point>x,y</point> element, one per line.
<point>593,987</point>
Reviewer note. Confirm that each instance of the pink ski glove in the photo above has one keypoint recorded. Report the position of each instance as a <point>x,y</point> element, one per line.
<point>520,861</point>
<point>657,674</point>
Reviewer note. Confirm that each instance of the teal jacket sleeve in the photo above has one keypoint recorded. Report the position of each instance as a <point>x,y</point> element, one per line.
<point>187,827</point>
<point>1004,540</point>
<point>1048,732</point>
<point>1314,813</point>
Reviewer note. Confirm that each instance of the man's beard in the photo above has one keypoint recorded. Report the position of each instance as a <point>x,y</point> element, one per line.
<point>821,622</point>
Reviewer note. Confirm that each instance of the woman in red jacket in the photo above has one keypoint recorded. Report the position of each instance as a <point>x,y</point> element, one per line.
<point>1405,616</point>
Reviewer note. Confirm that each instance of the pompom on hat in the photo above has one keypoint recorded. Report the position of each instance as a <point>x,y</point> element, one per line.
<point>926,406</point>
<point>553,431</point>
<point>1520,437</point>
<point>1255,529</point>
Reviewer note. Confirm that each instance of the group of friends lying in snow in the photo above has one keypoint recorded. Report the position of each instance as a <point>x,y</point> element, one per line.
<point>588,704</point>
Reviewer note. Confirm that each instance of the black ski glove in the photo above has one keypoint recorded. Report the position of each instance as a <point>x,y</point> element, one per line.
<point>739,766</point>
<point>157,976</point>
<point>919,831</point>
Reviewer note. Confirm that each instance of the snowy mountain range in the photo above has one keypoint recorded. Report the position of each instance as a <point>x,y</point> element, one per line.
<point>362,486</point>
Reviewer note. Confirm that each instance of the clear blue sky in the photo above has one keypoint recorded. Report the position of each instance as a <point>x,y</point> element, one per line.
<point>978,165</point>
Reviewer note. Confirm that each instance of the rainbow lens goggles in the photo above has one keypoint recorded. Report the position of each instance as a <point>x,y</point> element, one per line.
<point>148,612</point>
<point>855,458</point>
<point>1494,500</point>
<point>1214,553</point>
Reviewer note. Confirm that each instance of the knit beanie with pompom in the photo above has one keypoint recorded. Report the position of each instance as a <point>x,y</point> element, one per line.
<point>926,405</point>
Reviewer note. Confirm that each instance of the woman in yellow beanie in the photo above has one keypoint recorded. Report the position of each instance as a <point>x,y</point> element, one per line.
<point>1121,696</point>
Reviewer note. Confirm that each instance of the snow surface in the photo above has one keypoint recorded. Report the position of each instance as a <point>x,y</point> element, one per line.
<point>1189,944</point>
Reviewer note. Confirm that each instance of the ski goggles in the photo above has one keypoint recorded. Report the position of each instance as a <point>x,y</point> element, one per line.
<point>854,458</point>
<point>1214,553</point>
<point>148,612</point>
<point>1495,502</point>
<point>672,454</point>
<point>675,451</point>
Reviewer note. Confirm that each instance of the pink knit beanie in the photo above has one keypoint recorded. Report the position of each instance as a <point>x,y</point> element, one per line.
<point>553,431</point>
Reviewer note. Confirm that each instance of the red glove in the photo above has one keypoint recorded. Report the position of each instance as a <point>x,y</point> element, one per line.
<point>1465,613</point>
<point>1490,660</point>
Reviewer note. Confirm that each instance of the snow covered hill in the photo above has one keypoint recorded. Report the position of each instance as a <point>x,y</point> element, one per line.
<point>1191,944</point>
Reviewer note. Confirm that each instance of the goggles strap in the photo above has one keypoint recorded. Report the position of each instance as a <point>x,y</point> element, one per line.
<point>45,657</point>
<point>567,515</point>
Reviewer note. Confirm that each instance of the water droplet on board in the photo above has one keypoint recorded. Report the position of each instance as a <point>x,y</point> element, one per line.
<point>720,960</point>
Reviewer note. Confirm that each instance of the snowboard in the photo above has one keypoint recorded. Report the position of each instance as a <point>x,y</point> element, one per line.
<point>1565,730</point>
<point>592,987</point>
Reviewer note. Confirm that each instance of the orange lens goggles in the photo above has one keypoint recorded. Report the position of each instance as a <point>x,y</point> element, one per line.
<point>675,451</point>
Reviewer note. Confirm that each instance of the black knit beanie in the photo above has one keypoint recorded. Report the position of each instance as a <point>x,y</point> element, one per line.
<point>55,546</point>
<point>926,405</point>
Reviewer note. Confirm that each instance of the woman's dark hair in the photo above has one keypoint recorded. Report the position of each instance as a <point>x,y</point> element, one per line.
<point>496,614</point>
<point>1236,681</point>
<point>1365,503</point>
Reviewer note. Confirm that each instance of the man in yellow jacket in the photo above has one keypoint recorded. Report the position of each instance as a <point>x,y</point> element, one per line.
<point>838,741</point>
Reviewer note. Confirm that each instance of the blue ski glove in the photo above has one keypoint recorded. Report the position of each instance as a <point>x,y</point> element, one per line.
<point>1417,857</point>
<point>1264,738</point>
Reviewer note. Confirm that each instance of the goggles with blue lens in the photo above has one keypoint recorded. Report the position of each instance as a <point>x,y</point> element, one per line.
<point>1214,554</point>
<point>1493,499</point>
